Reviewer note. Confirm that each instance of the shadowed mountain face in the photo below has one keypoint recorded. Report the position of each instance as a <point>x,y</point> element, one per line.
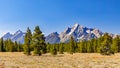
<point>77,31</point>
<point>53,38</point>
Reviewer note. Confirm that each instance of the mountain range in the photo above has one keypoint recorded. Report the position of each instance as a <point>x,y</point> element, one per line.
<point>77,31</point>
<point>17,36</point>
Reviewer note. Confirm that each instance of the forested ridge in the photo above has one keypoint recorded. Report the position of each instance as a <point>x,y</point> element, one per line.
<point>35,44</point>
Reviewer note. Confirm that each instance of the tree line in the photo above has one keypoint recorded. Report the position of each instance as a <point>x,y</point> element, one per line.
<point>34,43</point>
<point>9,46</point>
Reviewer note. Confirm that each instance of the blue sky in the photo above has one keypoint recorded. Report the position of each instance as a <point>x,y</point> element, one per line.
<point>56,15</point>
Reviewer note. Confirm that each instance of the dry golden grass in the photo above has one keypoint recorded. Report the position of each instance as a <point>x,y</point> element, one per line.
<point>77,60</point>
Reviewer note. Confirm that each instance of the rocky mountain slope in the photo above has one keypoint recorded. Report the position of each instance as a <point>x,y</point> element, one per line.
<point>77,31</point>
<point>53,38</point>
<point>17,36</point>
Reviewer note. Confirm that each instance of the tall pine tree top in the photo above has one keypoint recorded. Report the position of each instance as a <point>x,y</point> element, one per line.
<point>38,34</point>
<point>28,37</point>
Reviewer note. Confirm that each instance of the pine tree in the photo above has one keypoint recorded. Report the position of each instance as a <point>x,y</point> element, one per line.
<point>28,42</point>
<point>84,47</point>
<point>99,44</point>
<point>6,45</point>
<point>66,47</point>
<point>80,45</point>
<point>89,47</point>
<point>95,45</point>
<point>1,45</point>
<point>53,50</point>
<point>16,45</point>
<point>11,47</point>
<point>76,46</point>
<point>19,47</point>
<point>106,45</point>
<point>38,42</point>
<point>116,44</point>
<point>61,48</point>
<point>71,45</point>
<point>48,47</point>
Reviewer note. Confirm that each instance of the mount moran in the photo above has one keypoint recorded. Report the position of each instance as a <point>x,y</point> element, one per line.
<point>77,31</point>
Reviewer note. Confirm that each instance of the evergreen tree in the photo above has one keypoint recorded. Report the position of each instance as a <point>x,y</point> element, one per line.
<point>84,47</point>
<point>95,45</point>
<point>38,42</point>
<point>53,50</point>
<point>28,42</point>
<point>1,45</point>
<point>71,45</point>
<point>80,45</point>
<point>19,48</point>
<point>106,45</point>
<point>66,47</point>
<point>61,48</point>
<point>48,47</point>
<point>89,47</point>
<point>6,45</point>
<point>16,45</point>
<point>116,44</point>
<point>99,40</point>
<point>76,46</point>
<point>11,47</point>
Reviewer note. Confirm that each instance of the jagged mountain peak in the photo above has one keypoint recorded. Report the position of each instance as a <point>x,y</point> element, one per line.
<point>17,36</point>
<point>79,33</point>
<point>76,25</point>
<point>8,33</point>
<point>7,36</point>
<point>54,33</point>
<point>17,32</point>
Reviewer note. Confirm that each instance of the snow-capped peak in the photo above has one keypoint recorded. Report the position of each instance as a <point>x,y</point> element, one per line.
<point>17,32</point>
